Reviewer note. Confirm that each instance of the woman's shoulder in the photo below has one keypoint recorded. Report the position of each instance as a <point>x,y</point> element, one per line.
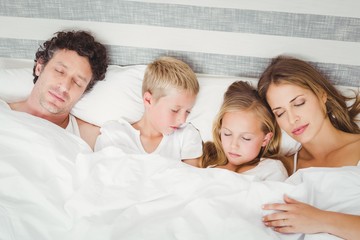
<point>350,147</point>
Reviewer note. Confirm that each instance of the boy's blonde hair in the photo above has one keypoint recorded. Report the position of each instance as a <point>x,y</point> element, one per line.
<point>167,73</point>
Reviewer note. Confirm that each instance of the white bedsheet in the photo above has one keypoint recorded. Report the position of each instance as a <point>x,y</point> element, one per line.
<point>53,187</point>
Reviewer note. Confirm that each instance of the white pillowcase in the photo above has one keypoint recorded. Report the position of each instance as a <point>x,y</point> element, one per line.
<point>119,96</point>
<point>16,84</point>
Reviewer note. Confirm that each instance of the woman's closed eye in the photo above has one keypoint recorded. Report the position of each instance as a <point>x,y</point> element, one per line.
<point>278,114</point>
<point>299,104</point>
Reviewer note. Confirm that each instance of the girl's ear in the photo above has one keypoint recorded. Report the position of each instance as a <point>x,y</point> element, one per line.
<point>267,139</point>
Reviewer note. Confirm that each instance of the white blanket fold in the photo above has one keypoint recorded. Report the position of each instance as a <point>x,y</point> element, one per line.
<point>53,187</point>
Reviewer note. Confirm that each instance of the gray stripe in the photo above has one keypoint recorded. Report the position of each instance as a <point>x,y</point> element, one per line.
<point>228,65</point>
<point>193,17</point>
<point>18,48</point>
<point>201,62</point>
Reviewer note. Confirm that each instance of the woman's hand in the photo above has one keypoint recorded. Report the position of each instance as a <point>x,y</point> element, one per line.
<point>294,217</point>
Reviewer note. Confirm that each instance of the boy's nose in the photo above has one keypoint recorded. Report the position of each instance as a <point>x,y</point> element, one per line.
<point>181,119</point>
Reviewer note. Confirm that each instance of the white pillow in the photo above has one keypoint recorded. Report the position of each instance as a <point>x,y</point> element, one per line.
<point>117,96</point>
<point>16,84</point>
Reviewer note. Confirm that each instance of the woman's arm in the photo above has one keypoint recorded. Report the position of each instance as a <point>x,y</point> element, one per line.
<point>298,217</point>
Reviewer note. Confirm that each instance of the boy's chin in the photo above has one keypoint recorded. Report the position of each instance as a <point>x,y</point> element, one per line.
<point>169,132</point>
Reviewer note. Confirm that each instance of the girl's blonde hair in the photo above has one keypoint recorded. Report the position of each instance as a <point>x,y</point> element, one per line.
<point>241,96</point>
<point>294,71</point>
<point>167,73</point>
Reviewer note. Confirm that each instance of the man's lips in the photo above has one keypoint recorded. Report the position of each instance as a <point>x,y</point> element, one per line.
<point>59,97</point>
<point>299,130</point>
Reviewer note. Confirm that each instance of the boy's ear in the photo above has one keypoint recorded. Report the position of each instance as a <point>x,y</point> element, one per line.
<point>147,98</point>
<point>267,139</point>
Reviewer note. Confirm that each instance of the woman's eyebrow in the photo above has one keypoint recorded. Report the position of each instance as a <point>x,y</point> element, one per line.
<point>289,101</point>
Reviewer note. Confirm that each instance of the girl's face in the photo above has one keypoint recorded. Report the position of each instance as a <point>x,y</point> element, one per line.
<point>242,137</point>
<point>297,110</point>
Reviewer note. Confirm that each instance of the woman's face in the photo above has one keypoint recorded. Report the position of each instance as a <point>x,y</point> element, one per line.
<point>297,110</point>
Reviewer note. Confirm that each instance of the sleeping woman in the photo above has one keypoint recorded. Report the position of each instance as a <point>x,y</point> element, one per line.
<point>246,136</point>
<point>314,113</point>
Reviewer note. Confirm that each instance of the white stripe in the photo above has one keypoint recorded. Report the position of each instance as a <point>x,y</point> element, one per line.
<point>6,63</point>
<point>342,8</point>
<point>254,45</point>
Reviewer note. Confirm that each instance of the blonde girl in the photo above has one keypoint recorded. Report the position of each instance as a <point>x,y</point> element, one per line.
<point>245,136</point>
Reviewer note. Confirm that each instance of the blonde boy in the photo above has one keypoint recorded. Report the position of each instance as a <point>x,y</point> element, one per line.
<point>169,92</point>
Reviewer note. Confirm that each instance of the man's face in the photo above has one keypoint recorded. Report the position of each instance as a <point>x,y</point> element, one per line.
<point>62,81</point>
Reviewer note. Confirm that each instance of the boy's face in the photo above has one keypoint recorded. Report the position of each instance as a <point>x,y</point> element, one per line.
<point>168,113</point>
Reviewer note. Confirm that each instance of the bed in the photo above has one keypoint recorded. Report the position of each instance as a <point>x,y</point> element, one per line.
<point>52,186</point>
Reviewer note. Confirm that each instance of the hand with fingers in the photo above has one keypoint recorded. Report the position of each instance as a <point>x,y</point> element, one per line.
<point>294,217</point>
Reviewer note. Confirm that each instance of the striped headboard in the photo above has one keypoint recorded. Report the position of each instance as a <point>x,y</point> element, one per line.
<point>221,37</point>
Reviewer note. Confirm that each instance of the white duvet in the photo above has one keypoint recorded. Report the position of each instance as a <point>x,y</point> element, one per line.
<point>53,187</point>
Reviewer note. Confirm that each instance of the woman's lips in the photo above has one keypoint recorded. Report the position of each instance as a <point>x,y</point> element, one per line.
<point>299,130</point>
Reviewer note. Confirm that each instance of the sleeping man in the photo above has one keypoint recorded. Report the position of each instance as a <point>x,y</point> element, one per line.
<point>66,66</point>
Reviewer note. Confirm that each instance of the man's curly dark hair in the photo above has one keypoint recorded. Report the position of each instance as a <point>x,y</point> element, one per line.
<point>81,42</point>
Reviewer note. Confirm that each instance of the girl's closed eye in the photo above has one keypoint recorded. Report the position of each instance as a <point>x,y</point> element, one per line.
<point>175,110</point>
<point>225,133</point>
